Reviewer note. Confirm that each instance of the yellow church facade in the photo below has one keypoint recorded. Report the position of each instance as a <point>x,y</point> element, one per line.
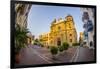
<point>61,30</point>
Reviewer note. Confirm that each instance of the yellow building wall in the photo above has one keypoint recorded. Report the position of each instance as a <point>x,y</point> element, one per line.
<point>81,38</point>
<point>29,40</point>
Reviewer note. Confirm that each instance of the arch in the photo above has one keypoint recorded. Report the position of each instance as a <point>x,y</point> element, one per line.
<point>58,41</point>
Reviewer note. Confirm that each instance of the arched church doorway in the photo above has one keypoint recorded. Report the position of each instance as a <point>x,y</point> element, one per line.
<point>58,42</point>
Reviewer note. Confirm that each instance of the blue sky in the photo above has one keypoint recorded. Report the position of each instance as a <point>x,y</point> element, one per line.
<point>41,16</point>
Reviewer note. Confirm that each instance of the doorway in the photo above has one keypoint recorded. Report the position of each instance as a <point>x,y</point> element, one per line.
<point>58,42</point>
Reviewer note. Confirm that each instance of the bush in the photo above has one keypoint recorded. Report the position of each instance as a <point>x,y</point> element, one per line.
<point>41,45</point>
<point>78,44</point>
<point>35,43</point>
<point>61,48</point>
<point>53,50</point>
<point>75,44</point>
<point>65,46</point>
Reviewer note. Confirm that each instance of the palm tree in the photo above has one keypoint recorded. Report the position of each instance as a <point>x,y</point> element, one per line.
<point>20,41</point>
<point>20,37</point>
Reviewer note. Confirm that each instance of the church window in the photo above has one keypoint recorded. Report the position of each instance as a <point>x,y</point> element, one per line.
<point>70,34</point>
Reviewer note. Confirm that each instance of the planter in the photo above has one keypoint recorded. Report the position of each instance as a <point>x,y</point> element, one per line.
<point>17,58</point>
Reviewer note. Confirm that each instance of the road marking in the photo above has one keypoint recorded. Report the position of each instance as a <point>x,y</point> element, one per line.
<point>77,55</point>
<point>74,58</point>
<point>41,56</point>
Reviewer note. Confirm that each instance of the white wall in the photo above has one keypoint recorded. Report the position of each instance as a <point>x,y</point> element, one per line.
<point>5,34</point>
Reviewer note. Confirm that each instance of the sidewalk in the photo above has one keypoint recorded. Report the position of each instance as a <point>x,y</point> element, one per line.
<point>85,55</point>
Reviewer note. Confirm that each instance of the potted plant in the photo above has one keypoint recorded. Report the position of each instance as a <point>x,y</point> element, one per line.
<point>20,41</point>
<point>54,51</point>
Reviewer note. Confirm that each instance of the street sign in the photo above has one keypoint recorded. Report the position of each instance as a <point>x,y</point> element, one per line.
<point>90,26</point>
